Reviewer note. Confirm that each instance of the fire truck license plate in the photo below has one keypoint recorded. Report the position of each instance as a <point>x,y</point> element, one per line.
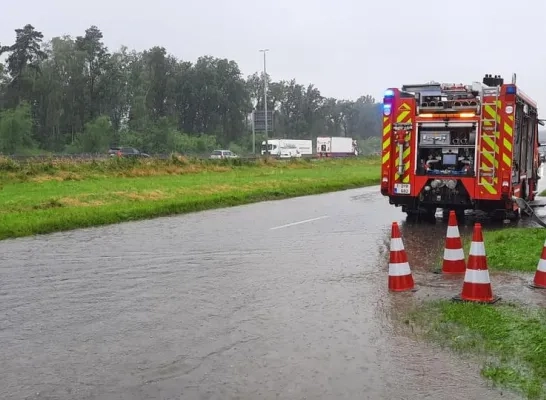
<point>402,188</point>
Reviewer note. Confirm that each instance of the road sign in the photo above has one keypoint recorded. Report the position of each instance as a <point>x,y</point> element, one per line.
<point>259,121</point>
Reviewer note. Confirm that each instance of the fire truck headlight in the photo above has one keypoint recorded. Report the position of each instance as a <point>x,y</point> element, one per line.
<point>427,188</point>
<point>451,184</point>
<point>436,183</point>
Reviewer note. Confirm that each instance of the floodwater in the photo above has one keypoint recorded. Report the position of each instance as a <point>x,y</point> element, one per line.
<point>277,300</point>
<point>424,242</point>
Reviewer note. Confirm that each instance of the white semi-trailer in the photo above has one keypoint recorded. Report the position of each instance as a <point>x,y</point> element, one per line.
<point>332,146</point>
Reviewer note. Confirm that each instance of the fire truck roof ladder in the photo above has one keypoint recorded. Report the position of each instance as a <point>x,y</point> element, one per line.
<point>489,127</point>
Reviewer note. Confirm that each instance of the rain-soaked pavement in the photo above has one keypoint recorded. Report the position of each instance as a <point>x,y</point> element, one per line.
<point>241,303</point>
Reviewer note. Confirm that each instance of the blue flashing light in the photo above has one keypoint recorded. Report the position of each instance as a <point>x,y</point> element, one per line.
<point>387,108</point>
<point>511,90</point>
<point>389,93</point>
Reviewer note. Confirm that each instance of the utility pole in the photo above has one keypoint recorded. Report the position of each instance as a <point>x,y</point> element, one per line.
<point>265,103</point>
<point>253,134</point>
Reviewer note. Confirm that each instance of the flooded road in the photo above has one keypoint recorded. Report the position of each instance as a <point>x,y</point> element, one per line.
<point>277,300</point>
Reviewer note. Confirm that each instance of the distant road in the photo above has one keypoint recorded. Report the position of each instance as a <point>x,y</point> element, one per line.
<point>87,156</point>
<point>102,156</point>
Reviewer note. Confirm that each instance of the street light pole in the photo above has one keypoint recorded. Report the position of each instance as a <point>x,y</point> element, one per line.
<point>253,134</point>
<point>265,102</point>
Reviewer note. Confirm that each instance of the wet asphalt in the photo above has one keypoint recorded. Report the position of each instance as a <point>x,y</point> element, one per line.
<point>276,300</point>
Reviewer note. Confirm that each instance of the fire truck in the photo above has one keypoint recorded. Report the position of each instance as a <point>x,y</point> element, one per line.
<point>460,147</point>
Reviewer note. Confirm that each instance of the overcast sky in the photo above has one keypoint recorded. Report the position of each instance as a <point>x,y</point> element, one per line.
<point>347,48</point>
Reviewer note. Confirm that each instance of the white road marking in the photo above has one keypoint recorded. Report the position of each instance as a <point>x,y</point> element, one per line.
<point>299,222</point>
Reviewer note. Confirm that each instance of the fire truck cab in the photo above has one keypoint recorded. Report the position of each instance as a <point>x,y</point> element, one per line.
<point>460,147</point>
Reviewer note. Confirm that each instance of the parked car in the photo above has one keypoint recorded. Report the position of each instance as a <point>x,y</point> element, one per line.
<point>126,152</point>
<point>223,154</point>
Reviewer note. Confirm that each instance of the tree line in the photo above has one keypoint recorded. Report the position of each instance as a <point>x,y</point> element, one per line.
<point>75,95</point>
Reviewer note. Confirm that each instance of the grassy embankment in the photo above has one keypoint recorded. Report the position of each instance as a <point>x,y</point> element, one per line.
<point>42,197</point>
<point>510,337</point>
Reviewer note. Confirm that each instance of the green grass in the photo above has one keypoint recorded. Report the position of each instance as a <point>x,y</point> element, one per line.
<point>510,340</point>
<point>513,249</point>
<point>59,196</point>
<point>509,249</point>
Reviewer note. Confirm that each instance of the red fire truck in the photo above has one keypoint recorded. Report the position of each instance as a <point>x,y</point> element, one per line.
<point>460,147</point>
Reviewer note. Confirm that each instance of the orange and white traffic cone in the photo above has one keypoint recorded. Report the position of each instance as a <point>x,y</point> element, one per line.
<point>400,277</point>
<point>477,285</point>
<point>453,252</point>
<point>540,276</point>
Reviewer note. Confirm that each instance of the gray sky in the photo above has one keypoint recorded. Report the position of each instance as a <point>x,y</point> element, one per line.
<point>345,47</point>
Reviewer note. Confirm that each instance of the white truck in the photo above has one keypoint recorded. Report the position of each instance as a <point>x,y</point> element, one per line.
<point>332,146</point>
<point>288,148</point>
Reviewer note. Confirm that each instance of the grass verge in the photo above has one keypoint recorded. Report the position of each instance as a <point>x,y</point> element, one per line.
<point>59,196</point>
<point>510,339</point>
<point>513,249</point>
<point>508,249</point>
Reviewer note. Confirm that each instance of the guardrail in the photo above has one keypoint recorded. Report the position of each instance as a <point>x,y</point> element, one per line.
<point>82,156</point>
<point>90,157</point>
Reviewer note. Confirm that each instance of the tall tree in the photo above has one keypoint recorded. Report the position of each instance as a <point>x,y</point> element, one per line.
<point>94,65</point>
<point>78,96</point>
<point>23,64</point>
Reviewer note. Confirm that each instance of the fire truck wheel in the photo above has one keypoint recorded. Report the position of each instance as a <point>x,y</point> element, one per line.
<point>421,214</point>
<point>513,215</point>
<point>500,215</point>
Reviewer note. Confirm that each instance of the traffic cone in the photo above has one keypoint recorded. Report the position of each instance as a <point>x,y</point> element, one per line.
<point>400,277</point>
<point>477,285</point>
<point>453,252</point>
<point>540,276</point>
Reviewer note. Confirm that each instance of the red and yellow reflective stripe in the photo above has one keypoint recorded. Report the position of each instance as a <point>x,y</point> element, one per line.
<point>507,140</point>
<point>489,149</point>
<point>387,133</point>
<point>404,117</point>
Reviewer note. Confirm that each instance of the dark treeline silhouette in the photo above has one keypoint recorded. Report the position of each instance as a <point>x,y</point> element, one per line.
<point>75,95</point>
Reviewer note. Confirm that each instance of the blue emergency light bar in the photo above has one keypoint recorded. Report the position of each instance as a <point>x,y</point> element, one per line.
<point>511,90</point>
